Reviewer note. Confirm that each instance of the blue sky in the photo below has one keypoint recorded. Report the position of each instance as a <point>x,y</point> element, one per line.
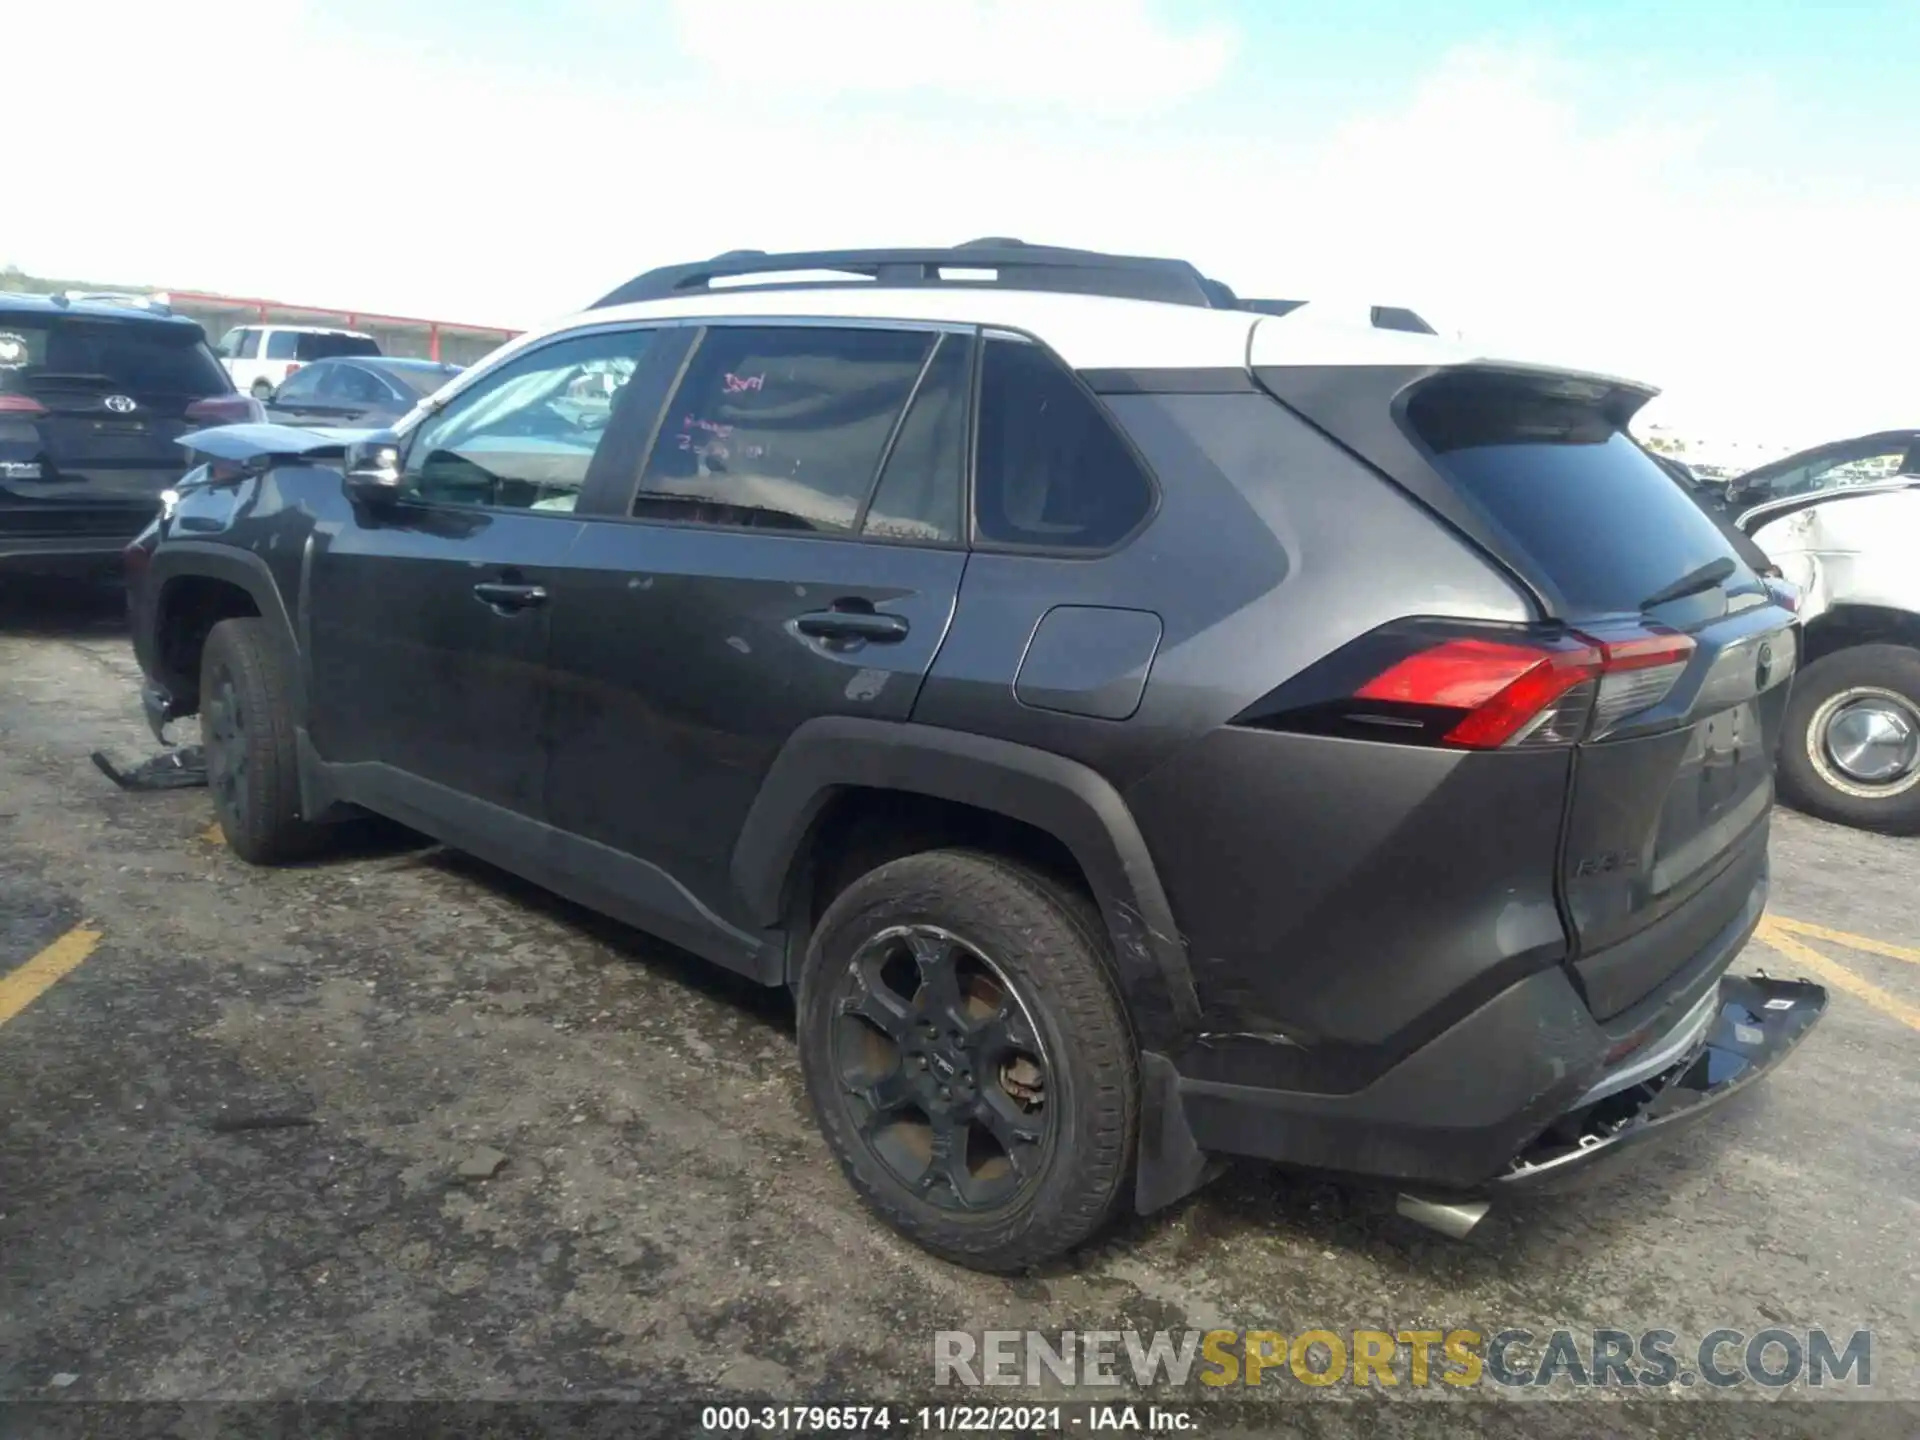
<point>1720,198</point>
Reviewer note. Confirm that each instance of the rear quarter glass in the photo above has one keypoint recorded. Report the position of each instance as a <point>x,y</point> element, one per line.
<point>1598,518</point>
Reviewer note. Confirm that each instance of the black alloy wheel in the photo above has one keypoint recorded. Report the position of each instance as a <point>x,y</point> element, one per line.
<point>969,1056</point>
<point>941,1068</point>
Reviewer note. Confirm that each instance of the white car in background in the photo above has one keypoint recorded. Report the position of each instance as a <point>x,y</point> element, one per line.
<point>1851,751</point>
<point>261,357</point>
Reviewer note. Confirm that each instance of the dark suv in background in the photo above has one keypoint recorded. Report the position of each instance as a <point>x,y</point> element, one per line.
<point>1141,724</point>
<point>93,400</point>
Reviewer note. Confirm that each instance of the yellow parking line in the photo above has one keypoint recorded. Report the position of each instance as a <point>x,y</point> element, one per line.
<point>1835,974</point>
<point>40,974</point>
<point>1852,942</point>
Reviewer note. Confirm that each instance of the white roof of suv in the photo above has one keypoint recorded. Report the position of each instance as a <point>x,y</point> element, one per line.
<point>1112,329</point>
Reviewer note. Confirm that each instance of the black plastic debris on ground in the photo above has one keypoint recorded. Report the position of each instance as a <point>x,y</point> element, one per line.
<point>182,769</point>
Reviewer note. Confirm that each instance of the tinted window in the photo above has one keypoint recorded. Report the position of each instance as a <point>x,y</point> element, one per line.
<point>1051,471</point>
<point>1603,524</point>
<point>282,345</point>
<point>325,347</point>
<point>783,428</point>
<point>420,379</point>
<point>921,488</point>
<point>354,386</point>
<point>301,385</point>
<point>88,354</point>
<point>1830,472</point>
<point>229,345</point>
<point>525,436</point>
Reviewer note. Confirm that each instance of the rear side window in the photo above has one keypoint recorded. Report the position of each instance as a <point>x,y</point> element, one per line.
<point>1602,522</point>
<point>782,428</point>
<point>327,347</point>
<point>1051,471</point>
<point>108,355</point>
<point>920,491</point>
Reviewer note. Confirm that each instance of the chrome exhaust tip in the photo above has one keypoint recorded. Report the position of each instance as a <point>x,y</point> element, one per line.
<point>1454,1219</point>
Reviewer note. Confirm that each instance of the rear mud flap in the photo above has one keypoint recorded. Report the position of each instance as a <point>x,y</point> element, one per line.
<point>1759,1023</point>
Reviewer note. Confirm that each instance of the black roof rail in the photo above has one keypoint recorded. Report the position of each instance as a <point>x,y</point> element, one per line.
<point>1016,265</point>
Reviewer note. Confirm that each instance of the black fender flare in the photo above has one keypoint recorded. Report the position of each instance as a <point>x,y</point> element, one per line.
<point>1062,797</point>
<point>198,559</point>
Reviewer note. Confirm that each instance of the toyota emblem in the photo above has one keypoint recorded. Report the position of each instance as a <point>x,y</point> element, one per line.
<point>121,404</point>
<point>1763,672</point>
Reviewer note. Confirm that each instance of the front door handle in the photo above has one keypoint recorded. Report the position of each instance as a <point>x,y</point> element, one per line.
<point>507,597</point>
<point>867,625</point>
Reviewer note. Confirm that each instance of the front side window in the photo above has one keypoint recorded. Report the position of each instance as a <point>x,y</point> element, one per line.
<point>1051,472</point>
<point>282,345</point>
<point>782,428</point>
<point>524,436</point>
<point>229,345</point>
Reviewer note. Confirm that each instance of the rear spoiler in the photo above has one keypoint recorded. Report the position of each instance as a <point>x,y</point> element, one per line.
<point>261,446</point>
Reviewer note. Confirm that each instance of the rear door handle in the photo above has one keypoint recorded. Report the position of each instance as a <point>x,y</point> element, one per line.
<point>507,597</point>
<point>852,625</point>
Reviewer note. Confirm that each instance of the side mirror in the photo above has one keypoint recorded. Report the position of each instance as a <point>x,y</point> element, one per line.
<point>373,470</point>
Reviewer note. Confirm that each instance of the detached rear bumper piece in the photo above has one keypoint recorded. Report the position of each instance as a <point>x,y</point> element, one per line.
<point>1756,1025</point>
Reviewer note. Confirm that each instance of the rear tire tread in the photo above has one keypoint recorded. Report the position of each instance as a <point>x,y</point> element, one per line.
<point>272,831</point>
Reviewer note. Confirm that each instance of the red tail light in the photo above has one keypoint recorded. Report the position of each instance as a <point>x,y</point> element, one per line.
<point>1429,682</point>
<point>225,410</point>
<point>1508,692</point>
<point>21,405</point>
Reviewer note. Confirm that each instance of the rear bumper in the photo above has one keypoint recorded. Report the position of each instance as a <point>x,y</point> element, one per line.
<point>1524,1093</point>
<point>1755,1024</point>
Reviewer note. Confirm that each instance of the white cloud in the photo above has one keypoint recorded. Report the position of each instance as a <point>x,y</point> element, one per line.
<point>1083,56</point>
<point>1526,198</point>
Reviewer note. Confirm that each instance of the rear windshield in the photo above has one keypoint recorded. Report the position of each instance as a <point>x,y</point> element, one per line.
<point>1605,526</point>
<point>85,353</point>
<point>420,379</point>
<point>326,347</point>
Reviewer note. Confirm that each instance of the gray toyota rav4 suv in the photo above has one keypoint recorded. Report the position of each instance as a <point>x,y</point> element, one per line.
<point>1142,725</point>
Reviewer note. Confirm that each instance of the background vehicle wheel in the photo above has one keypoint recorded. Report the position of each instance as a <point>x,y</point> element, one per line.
<point>246,724</point>
<point>1851,752</point>
<point>261,390</point>
<point>968,1057</point>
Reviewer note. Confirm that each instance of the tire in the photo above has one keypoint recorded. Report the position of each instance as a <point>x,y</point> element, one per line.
<point>260,390</point>
<point>247,727</point>
<point>1054,1051</point>
<point>1812,777</point>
